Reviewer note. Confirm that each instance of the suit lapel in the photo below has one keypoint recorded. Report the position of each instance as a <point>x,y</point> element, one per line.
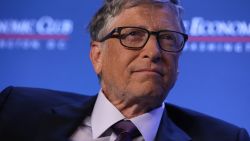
<point>168,131</point>
<point>60,122</point>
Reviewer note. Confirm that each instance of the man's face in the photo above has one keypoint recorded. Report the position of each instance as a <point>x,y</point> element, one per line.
<point>133,76</point>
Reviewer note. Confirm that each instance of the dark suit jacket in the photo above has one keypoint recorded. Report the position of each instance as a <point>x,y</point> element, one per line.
<point>30,114</point>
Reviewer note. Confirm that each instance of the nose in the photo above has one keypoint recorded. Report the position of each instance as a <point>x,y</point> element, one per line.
<point>152,50</point>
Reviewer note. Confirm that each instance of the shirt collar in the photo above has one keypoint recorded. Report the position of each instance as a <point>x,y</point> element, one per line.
<point>105,114</point>
<point>148,123</point>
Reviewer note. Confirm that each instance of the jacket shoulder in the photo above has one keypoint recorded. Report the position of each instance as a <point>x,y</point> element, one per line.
<point>37,97</point>
<point>24,110</point>
<point>203,127</point>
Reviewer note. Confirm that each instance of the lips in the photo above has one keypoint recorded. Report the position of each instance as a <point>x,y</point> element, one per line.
<point>146,70</point>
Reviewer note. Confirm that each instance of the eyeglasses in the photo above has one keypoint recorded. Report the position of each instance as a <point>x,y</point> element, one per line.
<point>135,38</point>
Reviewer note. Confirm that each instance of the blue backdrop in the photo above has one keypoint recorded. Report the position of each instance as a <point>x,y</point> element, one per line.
<point>45,43</point>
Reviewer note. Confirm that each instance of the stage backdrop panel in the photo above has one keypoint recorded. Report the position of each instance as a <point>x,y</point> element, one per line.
<point>45,44</point>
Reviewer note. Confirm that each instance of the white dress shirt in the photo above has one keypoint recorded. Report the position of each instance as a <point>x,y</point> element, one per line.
<point>97,126</point>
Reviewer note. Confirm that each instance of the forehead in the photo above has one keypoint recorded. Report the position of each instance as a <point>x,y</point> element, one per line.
<point>148,16</point>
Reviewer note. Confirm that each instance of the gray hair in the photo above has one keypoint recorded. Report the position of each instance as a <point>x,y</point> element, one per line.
<point>112,8</point>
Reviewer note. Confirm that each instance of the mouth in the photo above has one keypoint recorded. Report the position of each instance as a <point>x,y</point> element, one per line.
<point>149,71</point>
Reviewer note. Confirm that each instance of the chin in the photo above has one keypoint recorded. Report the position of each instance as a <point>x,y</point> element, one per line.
<point>150,92</point>
<point>147,90</point>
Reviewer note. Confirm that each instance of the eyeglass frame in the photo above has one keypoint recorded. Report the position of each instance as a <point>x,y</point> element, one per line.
<point>156,33</point>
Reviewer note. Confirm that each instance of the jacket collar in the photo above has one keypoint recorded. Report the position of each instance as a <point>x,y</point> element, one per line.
<point>169,131</point>
<point>58,123</point>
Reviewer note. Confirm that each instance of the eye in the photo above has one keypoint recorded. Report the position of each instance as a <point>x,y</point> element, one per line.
<point>167,36</point>
<point>168,39</point>
<point>133,34</point>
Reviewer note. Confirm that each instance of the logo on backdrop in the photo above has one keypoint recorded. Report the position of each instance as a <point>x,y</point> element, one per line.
<point>53,34</point>
<point>217,36</point>
<point>35,34</point>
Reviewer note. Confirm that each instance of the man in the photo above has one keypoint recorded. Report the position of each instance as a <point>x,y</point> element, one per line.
<point>134,51</point>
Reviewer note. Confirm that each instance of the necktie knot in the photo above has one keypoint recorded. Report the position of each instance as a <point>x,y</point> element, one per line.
<point>125,130</point>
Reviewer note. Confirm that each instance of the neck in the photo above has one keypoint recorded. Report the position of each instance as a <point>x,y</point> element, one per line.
<point>132,109</point>
<point>132,106</point>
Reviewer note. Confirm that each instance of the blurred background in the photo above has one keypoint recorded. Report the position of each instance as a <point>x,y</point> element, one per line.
<point>45,44</point>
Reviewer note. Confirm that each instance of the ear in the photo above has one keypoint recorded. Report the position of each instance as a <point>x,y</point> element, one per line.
<point>96,56</point>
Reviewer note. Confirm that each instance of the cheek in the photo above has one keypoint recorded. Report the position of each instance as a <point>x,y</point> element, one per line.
<point>115,66</point>
<point>172,62</point>
<point>110,63</point>
<point>171,66</point>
